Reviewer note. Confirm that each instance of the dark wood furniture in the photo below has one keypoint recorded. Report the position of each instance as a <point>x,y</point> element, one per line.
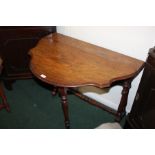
<point>15,42</point>
<point>66,63</point>
<point>142,114</point>
<point>3,102</point>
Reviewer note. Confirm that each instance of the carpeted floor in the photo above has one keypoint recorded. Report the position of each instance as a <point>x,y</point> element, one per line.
<point>33,107</point>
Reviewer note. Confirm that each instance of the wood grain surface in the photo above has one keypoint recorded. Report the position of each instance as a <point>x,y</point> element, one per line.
<point>67,62</point>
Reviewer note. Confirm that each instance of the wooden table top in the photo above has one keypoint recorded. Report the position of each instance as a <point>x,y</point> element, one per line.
<point>67,62</point>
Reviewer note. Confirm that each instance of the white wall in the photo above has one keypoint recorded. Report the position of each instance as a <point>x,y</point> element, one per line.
<point>132,41</point>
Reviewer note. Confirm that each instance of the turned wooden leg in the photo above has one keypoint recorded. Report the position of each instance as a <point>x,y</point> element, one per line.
<point>4,103</point>
<point>63,94</point>
<point>124,99</point>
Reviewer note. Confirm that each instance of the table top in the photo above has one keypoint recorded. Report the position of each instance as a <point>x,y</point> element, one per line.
<point>67,62</point>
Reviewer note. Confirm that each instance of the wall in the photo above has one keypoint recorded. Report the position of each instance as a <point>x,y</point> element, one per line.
<point>131,40</point>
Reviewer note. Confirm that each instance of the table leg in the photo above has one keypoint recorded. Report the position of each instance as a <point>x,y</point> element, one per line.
<point>63,95</point>
<point>124,99</point>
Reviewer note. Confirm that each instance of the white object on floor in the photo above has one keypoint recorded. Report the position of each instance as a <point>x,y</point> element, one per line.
<point>109,126</point>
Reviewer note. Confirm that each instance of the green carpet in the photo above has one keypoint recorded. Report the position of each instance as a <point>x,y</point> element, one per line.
<point>33,107</point>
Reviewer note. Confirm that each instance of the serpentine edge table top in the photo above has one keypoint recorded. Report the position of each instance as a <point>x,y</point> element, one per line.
<point>67,62</point>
